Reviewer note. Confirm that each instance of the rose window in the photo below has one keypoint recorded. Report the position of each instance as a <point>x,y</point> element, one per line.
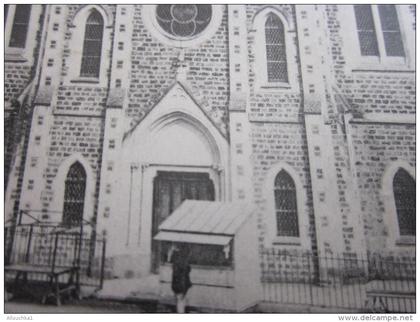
<point>183,20</point>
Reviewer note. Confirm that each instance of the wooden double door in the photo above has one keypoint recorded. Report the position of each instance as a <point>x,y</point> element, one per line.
<point>170,189</point>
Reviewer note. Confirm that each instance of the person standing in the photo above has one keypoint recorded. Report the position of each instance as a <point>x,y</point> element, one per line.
<point>181,282</point>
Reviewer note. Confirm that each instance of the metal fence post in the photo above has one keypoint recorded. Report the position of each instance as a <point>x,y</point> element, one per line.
<point>91,250</point>
<point>55,252</point>
<point>103,262</point>
<point>28,247</point>
<point>7,241</point>
<point>20,217</point>
<point>310,279</point>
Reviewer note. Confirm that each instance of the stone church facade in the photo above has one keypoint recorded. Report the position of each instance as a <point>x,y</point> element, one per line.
<point>114,114</point>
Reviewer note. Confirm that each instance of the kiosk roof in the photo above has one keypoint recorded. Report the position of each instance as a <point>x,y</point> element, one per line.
<point>205,219</point>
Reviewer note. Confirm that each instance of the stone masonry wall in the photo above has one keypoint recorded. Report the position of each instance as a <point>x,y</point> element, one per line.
<point>386,93</point>
<point>376,147</point>
<point>81,100</point>
<point>16,78</point>
<point>346,195</point>
<point>153,71</point>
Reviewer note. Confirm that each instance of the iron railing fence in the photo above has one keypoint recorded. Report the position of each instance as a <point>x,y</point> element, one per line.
<point>47,218</point>
<point>56,246</point>
<point>363,283</point>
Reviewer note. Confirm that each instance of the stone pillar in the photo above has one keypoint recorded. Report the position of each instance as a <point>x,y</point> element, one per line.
<point>336,207</point>
<point>111,214</point>
<point>324,187</point>
<point>240,140</point>
<point>35,198</point>
<point>33,195</point>
<point>21,71</point>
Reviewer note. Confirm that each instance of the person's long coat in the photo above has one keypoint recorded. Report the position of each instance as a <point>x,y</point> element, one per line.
<point>180,273</point>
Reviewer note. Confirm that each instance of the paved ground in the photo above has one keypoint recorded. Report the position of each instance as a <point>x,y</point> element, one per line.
<point>146,288</point>
<point>117,296</point>
<point>83,306</point>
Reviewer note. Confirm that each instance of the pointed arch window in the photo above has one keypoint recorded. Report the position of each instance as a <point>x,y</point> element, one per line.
<point>286,205</point>
<point>275,50</point>
<point>404,188</point>
<point>92,45</point>
<point>20,26</point>
<point>74,195</point>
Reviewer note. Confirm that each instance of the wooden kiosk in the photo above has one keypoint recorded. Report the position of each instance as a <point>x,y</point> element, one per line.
<point>222,239</point>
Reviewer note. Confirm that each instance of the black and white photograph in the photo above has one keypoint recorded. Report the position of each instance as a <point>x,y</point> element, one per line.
<point>209,158</point>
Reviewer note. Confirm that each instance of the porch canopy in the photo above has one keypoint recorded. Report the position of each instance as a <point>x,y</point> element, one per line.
<point>204,222</point>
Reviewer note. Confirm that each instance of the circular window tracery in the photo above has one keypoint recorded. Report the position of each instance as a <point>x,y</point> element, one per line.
<point>183,21</point>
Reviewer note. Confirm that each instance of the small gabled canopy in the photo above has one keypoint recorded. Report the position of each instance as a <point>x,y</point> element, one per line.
<point>204,222</point>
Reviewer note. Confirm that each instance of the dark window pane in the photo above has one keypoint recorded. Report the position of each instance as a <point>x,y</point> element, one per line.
<point>95,18</point>
<point>286,205</point>
<point>204,13</point>
<point>277,72</point>
<point>364,17</point>
<point>74,195</point>
<point>92,66</point>
<point>183,29</point>
<point>273,21</point>
<point>92,46</point>
<point>274,36</point>
<point>163,12</point>
<point>366,30</point>
<point>184,12</point>
<point>405,202</point>
<point>393,44</point>
<point>391,30</point>
<point>389,18</point>
<point>93,31</point>
<point>276,53</point>
<point>20,26</point>
<point>368,43</point>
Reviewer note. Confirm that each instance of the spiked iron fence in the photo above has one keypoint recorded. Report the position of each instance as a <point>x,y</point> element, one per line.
<point>369,283</point>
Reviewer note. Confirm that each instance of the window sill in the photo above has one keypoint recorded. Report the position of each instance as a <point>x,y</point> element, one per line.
<point>15,57</point>
<point>86,80</point>
<point>383,69</point>
<point>406,241</point>
<point>386,65</point>
<point>274,86</point>
<point>287,241</point>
